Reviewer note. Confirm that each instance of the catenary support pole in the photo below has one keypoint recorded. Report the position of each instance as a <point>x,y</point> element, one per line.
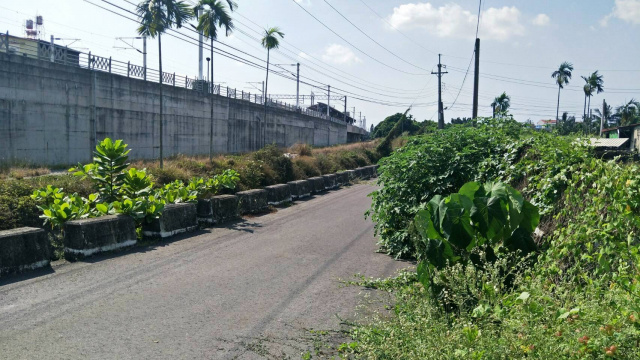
<point>298,87</point>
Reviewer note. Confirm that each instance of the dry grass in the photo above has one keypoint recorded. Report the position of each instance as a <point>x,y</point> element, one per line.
<point>23,172</point>
<point>369,145</point>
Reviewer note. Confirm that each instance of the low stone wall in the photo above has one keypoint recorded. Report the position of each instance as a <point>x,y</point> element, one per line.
<point>278,194</point>
<point>218,209</point>
<point>175,219</point>
<point>317,184</point>
<point>252,201</point>
<point>330,181</point>
<point>300,189</point>
<point>91,236</point>
<point>23,249</point>
<point>352,175</point>
<point>342,178</point>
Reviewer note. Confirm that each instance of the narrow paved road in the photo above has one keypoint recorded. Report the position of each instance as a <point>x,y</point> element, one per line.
<point>248,291</point>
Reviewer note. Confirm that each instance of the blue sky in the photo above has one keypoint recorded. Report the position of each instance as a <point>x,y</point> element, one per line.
<point>522,43</point>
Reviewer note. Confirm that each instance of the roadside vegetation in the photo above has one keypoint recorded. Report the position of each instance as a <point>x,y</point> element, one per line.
<point>526,244</point>
<point>267,166</point>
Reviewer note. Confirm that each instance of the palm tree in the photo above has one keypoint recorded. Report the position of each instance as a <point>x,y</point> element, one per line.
<point>603,118</point>
<point>213,15</point>
<point>269,41</point>
<point>596,83</point>
<point>588,91</point>
<point>156,17</point>
<point>628,113</point>
<point>562,76</point>
<point>501,104</point>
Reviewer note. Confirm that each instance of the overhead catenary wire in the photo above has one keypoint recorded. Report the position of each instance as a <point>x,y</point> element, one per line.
<point>235,57</point>
<point>372,39</point>
<point>352,45</point>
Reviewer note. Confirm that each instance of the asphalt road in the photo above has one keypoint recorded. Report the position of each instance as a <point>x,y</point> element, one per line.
<point>247,291</point>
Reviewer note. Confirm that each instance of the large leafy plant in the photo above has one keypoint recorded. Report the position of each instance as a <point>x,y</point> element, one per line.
<point>108,168</point>
<point>492,217</point>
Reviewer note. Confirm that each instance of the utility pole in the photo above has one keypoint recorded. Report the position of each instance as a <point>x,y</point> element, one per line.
<point>298,87</point>
<point>476,80</point>
<point>53,50</point>
<point>328,100</point>
<point>263,94</point>
<point>440,107</point>
<point>604,114</point>
<point>345,109</point>
<point>200,39</point>
<point>144,57</point>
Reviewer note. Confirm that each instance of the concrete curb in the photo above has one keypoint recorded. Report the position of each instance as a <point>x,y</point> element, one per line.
<point>253,201</point>
<point>278,194</point>
<point>23,249</point>
<point>300,189</point>
<point>87,237</point>
<point>175,219</point>
<point>218,209</point>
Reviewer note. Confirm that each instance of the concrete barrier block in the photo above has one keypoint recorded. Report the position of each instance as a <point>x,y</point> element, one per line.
<point>317,184</point>
<point>278,194</point>
<point>218,209</point>
<point>342,178</point>
<point>91,236</point>
<point>300,189</point>
<point>253,201</point>
<point>370,171</point>
<point>361,173</point>
<point>175,219</point>
<point>352,175</point>
<point>23,249</point>
<point>330,181</point>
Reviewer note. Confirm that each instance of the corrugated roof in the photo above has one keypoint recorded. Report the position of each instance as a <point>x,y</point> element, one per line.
<point>606,142</point>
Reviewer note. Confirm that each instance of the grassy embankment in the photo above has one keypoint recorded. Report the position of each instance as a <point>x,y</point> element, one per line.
<point>261,168</point>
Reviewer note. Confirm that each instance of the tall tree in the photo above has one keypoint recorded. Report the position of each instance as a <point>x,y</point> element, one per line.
<point>501,104</point>
<point>213,15</point>
<point>588,91</point>
<point>628,113</point>
<point>156,17</point>
<point>269,41</point>
<point>596,84</point>
<point>562,76</point>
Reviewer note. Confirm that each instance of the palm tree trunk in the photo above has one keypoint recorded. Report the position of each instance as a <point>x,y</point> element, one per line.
<point>584,109</point>
<point>161,105</point>
<point>266,86</point>
<point>211,128</point>
<point>558,108</point>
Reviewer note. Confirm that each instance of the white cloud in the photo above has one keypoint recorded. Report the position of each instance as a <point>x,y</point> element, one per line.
<point>303,55</point>
<point>452,20</point>
<point>541,20</point>
<point>304,2</point>
<point>339,54</point>
<point>625,10</point>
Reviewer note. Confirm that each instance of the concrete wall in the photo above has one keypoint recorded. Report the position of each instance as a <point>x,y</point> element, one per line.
<point>53,114</point>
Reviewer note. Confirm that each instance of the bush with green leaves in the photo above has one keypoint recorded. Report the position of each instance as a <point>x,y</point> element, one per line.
<point>493,217</point>
<point>428,165</point>
<point>122,190</point>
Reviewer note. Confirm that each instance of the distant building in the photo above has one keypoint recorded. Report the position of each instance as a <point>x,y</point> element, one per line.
<point>38,49</point>
<point>545,124</point>
<point>338,115</point>
<point>630,132</point>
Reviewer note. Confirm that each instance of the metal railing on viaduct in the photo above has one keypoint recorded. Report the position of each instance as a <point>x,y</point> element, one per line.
<point>41,50</point>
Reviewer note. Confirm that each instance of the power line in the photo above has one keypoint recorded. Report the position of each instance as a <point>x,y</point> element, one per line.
<point>372,39</point>
<point>355,47</point>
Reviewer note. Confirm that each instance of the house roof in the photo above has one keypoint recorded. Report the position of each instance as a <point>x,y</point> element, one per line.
<point>621,127</point>
<point>606,142</point>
